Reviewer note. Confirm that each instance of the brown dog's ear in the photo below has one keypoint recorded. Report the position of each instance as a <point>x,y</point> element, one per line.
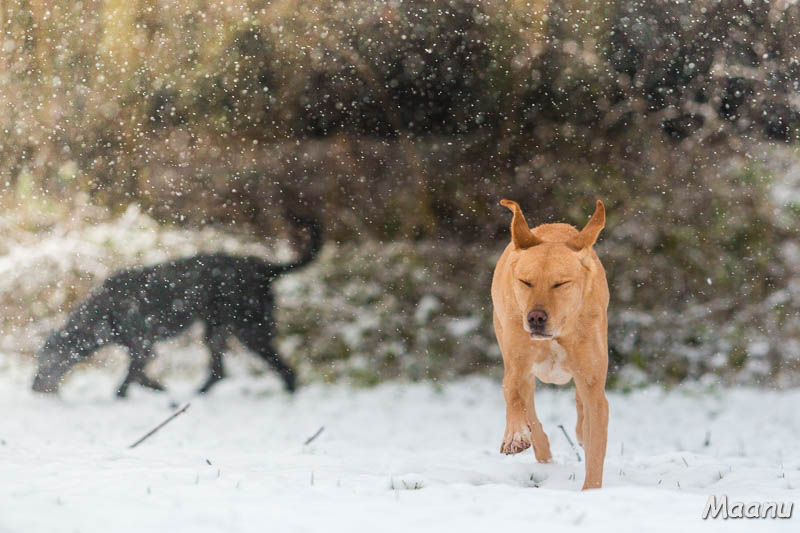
<point>521,234</point>
<point>588,235</point>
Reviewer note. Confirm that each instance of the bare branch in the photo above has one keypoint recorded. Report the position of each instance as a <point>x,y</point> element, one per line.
<point>149,434</point>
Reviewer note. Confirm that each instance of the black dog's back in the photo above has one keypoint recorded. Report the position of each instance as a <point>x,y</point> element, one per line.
<point>215,288</point>
<point>136,307</point>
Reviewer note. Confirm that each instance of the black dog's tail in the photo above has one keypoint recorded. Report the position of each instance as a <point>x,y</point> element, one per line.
<point>315,244</point>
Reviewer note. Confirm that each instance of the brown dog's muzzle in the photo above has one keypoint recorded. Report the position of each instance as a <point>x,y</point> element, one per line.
<point>537,321</point>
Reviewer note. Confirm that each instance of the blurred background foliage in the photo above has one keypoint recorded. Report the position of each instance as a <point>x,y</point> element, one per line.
<point>401,124</point>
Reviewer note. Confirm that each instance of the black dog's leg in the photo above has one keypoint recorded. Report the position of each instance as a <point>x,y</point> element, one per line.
<point>135,369</point>
<point>122,390</point>
<point>258,339</point>
<point>140,355</point>
<point>216,340</point>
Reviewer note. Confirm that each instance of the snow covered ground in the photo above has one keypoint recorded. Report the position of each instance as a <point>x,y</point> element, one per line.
<point>399,457</point>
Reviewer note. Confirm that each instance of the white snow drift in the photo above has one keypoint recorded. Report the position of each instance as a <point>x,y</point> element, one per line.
<point>399,457</point>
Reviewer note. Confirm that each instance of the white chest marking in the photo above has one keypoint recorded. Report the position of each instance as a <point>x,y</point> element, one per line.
<point>551,369</point>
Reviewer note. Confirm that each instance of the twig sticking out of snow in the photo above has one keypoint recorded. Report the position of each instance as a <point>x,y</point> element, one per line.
<point>574,449</point>
<point>310,439</point>
<point>150,433</point>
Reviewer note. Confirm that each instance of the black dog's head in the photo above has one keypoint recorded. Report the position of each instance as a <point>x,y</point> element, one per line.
<point>60,352</point>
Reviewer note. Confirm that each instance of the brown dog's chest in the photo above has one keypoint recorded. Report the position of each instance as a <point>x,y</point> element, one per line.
<point>549,363</point>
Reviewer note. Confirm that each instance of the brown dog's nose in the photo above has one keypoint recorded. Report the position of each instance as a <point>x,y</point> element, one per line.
<point>537,318</point>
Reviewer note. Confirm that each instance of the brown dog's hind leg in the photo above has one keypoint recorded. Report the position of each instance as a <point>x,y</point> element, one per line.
<point>580,427</point>
<point>541,444</point>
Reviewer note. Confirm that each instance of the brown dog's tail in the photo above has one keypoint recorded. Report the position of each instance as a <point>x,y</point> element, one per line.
<point>315,244</point>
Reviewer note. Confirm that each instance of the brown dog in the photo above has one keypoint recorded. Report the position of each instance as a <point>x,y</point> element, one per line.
<point>550,298</point>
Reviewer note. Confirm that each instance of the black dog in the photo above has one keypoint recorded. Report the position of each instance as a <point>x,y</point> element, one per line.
<point>137,307</point>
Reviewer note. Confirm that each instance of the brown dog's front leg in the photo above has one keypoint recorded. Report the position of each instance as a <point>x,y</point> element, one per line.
<point>595,412</point>
<point>517,437</point>
<point>523,427</point>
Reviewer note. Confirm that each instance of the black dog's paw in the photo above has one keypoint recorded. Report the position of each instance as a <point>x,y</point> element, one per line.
<point>210,382</point>
<point>151,384</point>
<point>144,381</point>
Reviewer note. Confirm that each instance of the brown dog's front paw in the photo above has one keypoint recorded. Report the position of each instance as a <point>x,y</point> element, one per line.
<point>516,441</point>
